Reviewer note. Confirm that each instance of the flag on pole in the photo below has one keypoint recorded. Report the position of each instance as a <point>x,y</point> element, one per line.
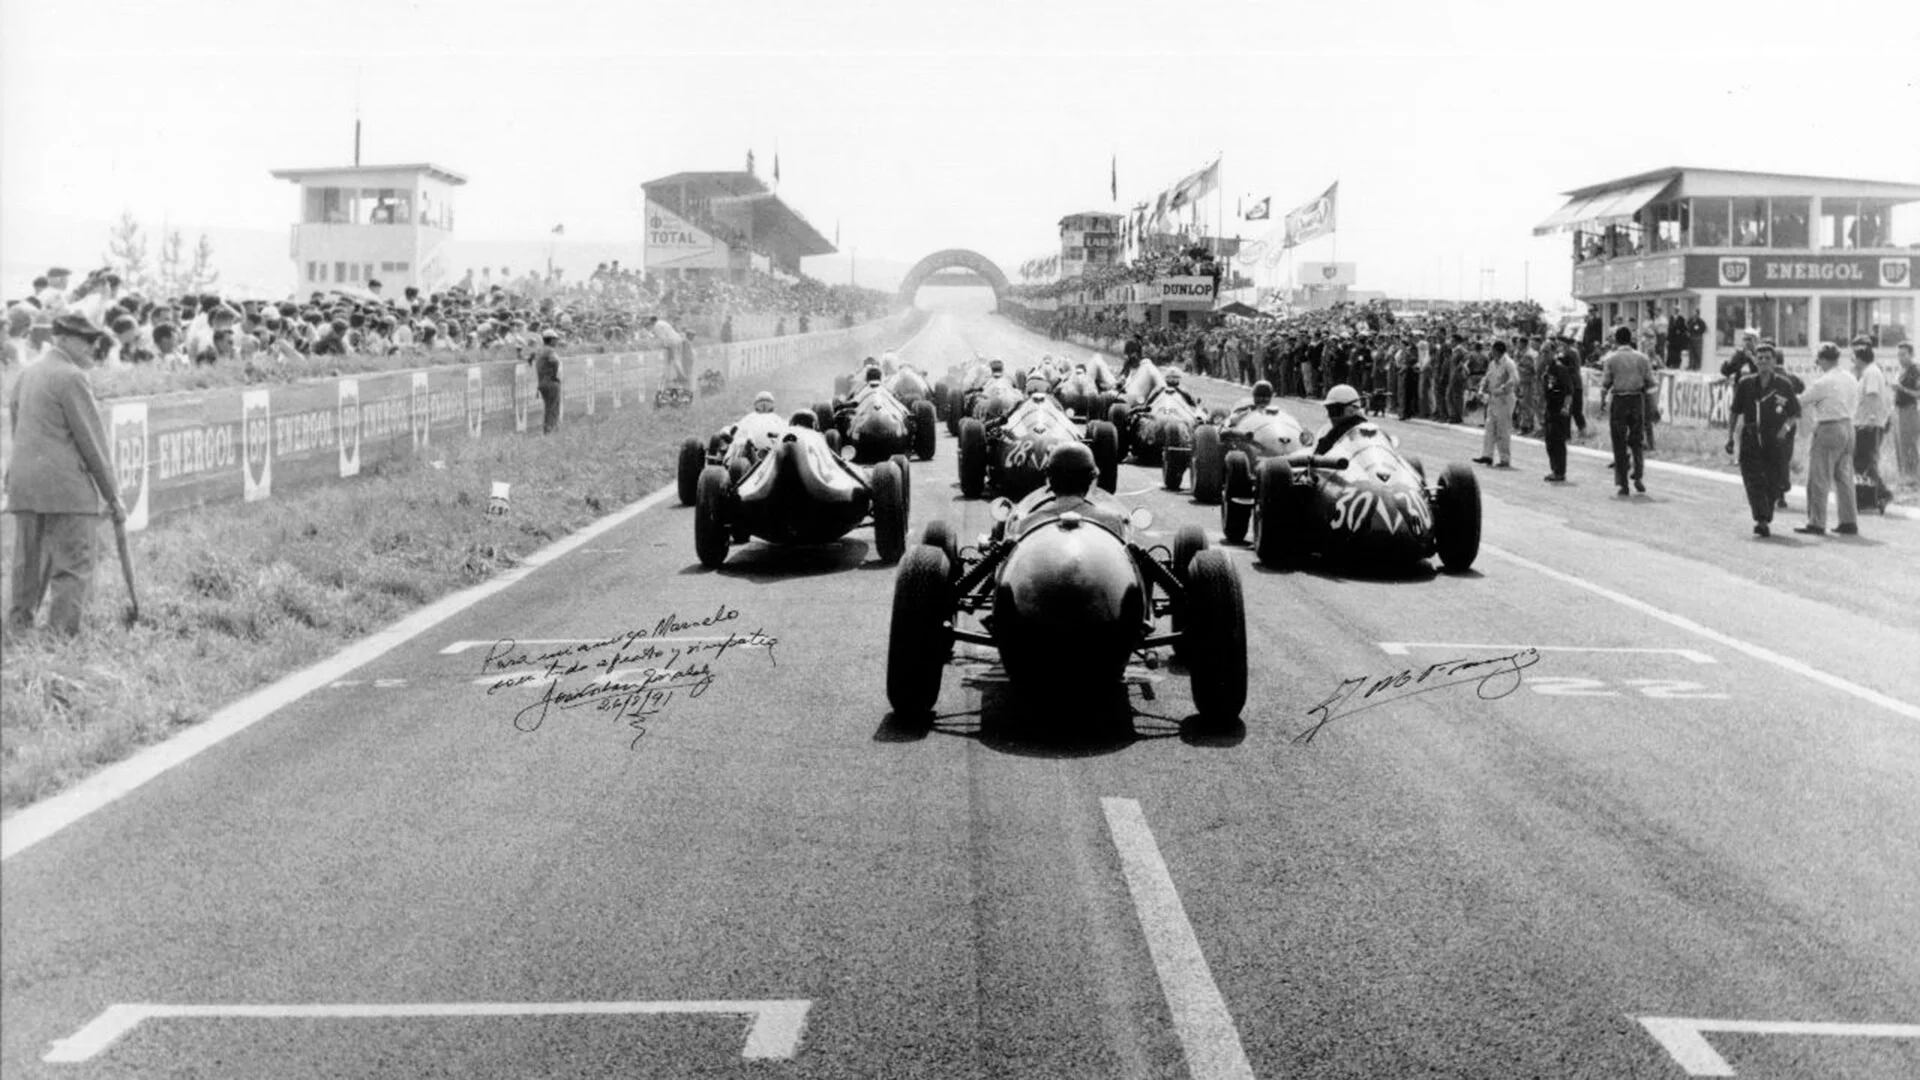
<point>559,230</point>
<point>1259,211</point>
<point>1313,219</point>
<point>1194,186</point>
<point>1113,178</point>
<point>776,167</point>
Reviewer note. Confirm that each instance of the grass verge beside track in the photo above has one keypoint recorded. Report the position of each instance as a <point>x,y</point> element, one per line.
<point>235,596</point>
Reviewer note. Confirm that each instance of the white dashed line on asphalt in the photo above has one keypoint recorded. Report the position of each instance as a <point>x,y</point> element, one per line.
<point>1402,648</point>
<point>774,1033</point>
<point>1200,1018</point>
<point>1685,1040</point>
<point>1758,652</point>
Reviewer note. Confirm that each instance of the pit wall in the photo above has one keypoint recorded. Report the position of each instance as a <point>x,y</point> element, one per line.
<point>175,452</point>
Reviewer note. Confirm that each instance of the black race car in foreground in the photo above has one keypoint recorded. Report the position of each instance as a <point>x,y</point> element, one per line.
<point>1362,501</point>
<point>1068,593</point>
<point>801,492</point>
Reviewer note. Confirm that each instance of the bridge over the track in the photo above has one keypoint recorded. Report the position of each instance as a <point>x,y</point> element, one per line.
<point>951,258</point>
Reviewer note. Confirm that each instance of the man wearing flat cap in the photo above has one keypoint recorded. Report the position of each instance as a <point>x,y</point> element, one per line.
<point>60,481</point>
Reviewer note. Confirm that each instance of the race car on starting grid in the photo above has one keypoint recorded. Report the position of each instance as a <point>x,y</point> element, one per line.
<point>878,425</point>
<point>1067,592</point>
<point>800,491</point>
<point>1363,501</point>
<point>1008,455</point>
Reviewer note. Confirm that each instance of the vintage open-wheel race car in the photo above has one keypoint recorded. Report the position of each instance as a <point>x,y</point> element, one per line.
<point>1068,593</point>
<point>1362,501</point>
<point>800,491</point>
<point>1009,456</point>
<point>1256,434</point>
<point>878,426</point>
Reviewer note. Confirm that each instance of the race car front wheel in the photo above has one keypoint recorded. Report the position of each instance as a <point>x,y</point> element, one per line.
<point>1105,439</point>
<point>973,458</point>
<point>1236,504</point>
<point>1456,518</point>
<point>1209,464</point>
<point>1273,514</point>
<point>710,533</point>
<point>693,458</point>
<point>889,511</point>
<point>924,422</point>
<point>919,641</point>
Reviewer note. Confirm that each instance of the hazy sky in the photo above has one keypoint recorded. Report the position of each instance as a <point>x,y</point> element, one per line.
<point>1451,127</point>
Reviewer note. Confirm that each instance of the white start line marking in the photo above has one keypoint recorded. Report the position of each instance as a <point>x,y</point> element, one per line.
<point>1207,1035</point>
<point>774,1032</point>
<point>1403,648</point>
<point>1685,1040</point>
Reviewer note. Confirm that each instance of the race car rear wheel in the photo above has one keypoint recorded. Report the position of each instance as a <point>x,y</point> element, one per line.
<point>919,641</point>
<point>906,480</point>
<point>1216,638</point>
<point>973,458</point>
<point>923,430</point>
<point>889,511</point>
<point>1273,524</point>
<point>693,458</point>
<point>1209,464</point>
<point>1176,453</point>
<point>1121,418</point>
<point>1189,541</point>
<point>1236,503</point>
<point>1106,454</point>
<point>1456,518</point>
<point>710,539</point>
<point>956,410</point>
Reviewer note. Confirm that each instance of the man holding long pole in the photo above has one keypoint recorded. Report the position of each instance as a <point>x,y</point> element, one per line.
<point>61,480</point>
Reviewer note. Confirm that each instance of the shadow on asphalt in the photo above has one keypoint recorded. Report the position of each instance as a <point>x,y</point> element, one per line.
<point>761,562</point>
<point>1407,573</point>
<point>1078,728</point>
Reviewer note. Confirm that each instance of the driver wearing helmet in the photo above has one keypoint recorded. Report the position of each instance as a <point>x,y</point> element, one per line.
<point>756,432</point>
<point>1172,386</point>
<point>867,389</point>
<point>1070,488</point>
<point>1343,415</point>
<point>1262,398</point>
<point>1037,398</point>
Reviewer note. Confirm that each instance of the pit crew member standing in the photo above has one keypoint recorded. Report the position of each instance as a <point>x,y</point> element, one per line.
<point>1563,394</point>
<point>1629,375</point>
<point>1498,386</point>
<point>1764,406</point>
<point>1870,422</point>
<point>1831,401</point>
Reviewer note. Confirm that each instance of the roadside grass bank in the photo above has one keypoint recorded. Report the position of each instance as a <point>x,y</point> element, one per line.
<point>234,596</point>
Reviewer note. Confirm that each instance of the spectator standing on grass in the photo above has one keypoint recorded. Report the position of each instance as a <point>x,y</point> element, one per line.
<point>1831,402</point>
<point>1870,422</point>
<point>546,374</point>
<point>60,480</point>
<point>1624,387</point>
<point>1906,407</point>
<point>1497,387</point>
<point>1764,406</point>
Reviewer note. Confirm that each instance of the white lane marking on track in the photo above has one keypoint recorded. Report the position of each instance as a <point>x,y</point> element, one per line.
<point>459,647</point>
<point>1402,648</point>
<point>1685,1040</point>
<point>1200,1017</point>
<point>1141,491</point>
<point>775,1032</point>
<point>35,823</point>
<point>1758,652</point>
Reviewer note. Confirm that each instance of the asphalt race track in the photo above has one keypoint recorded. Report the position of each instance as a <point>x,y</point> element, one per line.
<point>1682,842</point>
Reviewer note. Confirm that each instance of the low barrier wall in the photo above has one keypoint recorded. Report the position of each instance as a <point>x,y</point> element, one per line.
<point>173,452</point>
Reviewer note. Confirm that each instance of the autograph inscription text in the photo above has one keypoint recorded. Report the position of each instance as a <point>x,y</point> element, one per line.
<point>1494,677</point>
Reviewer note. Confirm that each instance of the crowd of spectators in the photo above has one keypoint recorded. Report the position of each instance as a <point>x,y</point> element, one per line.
<point>1189,262</point>
<point>614,308</point>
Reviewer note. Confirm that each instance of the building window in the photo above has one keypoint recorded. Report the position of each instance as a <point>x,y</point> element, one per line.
<point>312,270</point>
<point>1836,324</point>
<point>1793,323</point>
<point>1669,230</point>
<point>1789,224</point>
<point>1710,227</point>
<point>339,271</point>
<point>1729,318</point>
<point>1750,222</point>
<point>401,268</point>
<point>1888,320</point>
<point>1762,312</point>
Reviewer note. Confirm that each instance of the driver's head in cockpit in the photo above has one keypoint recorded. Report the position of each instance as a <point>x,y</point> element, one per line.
<point>1262,394</point>
<point>1071,469</point>
<point>1342,401</point>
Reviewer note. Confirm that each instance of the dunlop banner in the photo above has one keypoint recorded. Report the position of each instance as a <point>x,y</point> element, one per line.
<point>173,452</point>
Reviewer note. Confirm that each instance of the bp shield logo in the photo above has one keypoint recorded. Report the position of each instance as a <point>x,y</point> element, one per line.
<point>522,389</point>
<point>130,460</point>
<point>422,419</point>
<point>475,403</point>
<point>349,427</point>
<point>256,430</point>
<point>1330,271</point>
<point>1735,270</point>
<point>1895,273</point>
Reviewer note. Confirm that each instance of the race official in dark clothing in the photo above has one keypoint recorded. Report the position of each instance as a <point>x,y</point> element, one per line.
<point>1764,406</point>
<point>1563,392</point>
<point>1628,379</point>
<point>1741,363</point>
<point>1696,340</point>
<point>60,479</point>
<point>546,372</point>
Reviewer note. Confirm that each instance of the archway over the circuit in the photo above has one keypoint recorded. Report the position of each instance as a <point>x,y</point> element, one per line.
<point>948,259</point>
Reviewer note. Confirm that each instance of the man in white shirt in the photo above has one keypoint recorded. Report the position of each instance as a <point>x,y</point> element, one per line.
<point>1498,387</point>
<point>669,339</point>
<point>1870,422</point>
<point>1830,403</point>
